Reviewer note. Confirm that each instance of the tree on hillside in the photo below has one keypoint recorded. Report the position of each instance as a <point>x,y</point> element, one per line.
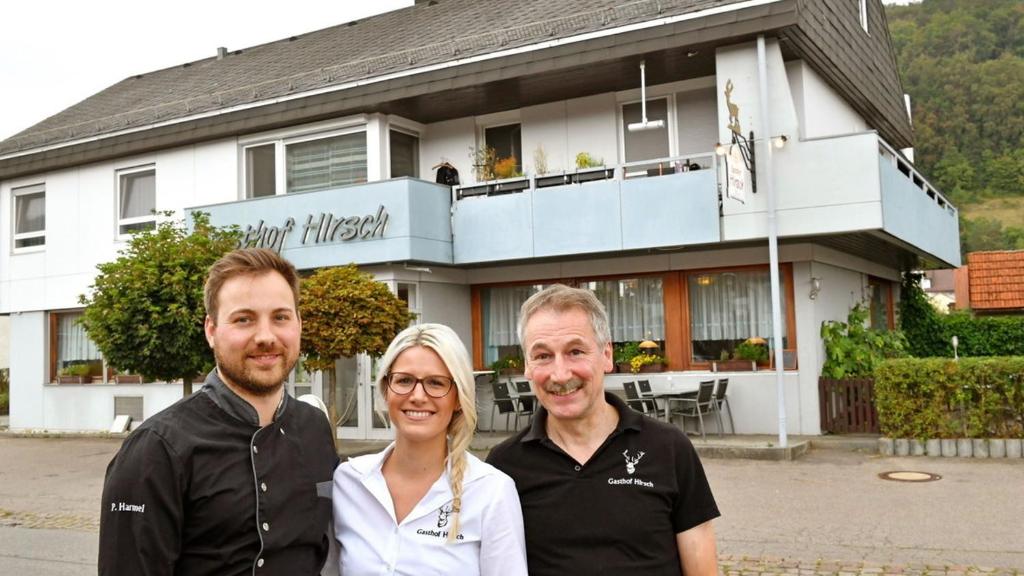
<point>962,62</point>
<point>346,312</point>
<point>145,310</point>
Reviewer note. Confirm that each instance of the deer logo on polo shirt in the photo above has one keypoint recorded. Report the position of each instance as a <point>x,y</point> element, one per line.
<point>631,462</point>
<point>442,515</point>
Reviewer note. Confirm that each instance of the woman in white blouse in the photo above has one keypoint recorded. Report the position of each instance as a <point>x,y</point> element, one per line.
<point>425,505</point>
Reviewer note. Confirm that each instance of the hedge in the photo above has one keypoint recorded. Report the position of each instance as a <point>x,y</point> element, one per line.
<point>942,398</point>
<point>4,404</point>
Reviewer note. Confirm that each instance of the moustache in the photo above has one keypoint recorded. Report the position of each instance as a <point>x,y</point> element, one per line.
<point>563,387</point>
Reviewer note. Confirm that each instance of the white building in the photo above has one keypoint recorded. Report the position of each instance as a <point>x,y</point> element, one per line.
<point>324,146</point>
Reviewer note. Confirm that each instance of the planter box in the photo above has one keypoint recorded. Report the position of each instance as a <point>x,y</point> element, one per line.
<point>74,379</point>
<point>948,447</point>
<point>622,367</point>
<point>996,448</point>
<point>1014,447</point>
<point>128,379</point>
<point>733,366</point>
<point>964,447</point>
<point>648,368</point>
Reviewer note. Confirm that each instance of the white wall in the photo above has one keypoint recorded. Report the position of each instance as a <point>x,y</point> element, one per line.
<point>28,371</point>
<point>81,225</point>
<point>5,341</point>
<point>79,407</point>
<point>820,110</point>
<point>449,141</point>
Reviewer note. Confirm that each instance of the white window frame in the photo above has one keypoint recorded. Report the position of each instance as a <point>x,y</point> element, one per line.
<point>281,139</point>
<point>408,127</point>
<point>27,190</point>
<point>670,121</point>
<point>118,220</point>
<point>864,15</point>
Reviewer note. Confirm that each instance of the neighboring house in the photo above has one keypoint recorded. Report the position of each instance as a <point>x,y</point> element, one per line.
<point>992,283</point>
<point>325,145</point>
<point>939,287</point>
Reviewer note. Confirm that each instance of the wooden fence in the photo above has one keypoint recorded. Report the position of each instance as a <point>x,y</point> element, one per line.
<point>848,405</point>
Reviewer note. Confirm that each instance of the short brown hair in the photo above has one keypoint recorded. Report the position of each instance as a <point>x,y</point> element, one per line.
<point>246,262</point>
<point>562,298</point>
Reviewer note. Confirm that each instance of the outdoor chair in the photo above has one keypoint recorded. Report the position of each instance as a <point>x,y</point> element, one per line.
<point>648,396</point>
<point>696,407</point>
<point>633,399</point>
<point>722,400</point>
<point>503,404</point>
<point>526,404</point>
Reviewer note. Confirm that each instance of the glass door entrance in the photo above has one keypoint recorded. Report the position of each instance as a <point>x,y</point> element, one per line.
<point>360,410</point>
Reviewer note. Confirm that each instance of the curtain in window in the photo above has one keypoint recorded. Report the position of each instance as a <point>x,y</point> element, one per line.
<point>31,213</point>
<point>138,194</point>
<point>404,152</point>
<point>326,163</point>
<point>72,342</point>
<point>635,307</point>
<point>502,313</point>
<point>731,305</point>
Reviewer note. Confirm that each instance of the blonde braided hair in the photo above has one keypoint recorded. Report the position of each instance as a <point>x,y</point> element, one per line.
<point>446,343</point>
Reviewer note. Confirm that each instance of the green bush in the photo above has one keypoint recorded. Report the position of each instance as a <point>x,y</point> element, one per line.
<point>930,334</point>
<point>853,350</point>
<point>5,404</point>
<point>5,379</point>
<point>943,398</point>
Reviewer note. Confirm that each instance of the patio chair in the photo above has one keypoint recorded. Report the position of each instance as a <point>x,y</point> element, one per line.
<point>526,404</point>
<point>633,399</point>
<point>696,407</point>
<point>648,396</point>
<point>503,403</point>
<point>722,400</point>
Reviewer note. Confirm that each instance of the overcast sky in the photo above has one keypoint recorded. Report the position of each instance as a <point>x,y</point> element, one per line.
<point>56,53</point>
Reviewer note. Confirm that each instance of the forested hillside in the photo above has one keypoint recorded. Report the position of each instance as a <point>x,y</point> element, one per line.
<point>962,62</point>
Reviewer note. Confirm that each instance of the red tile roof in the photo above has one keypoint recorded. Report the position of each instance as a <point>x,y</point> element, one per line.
<point>996,280</point>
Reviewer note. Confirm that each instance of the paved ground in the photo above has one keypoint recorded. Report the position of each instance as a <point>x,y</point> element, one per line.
<point>827,513</point>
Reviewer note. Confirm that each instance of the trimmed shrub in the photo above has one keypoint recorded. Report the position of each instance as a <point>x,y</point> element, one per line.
<point>942,398</point>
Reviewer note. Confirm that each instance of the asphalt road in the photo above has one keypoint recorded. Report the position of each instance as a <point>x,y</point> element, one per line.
<point>827,513</point>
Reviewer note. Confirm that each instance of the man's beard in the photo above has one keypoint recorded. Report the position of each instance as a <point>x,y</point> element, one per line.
<point>257,383</point>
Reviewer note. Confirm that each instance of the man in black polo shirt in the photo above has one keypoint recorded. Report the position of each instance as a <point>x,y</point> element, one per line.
<point>604,490</point>
<point>236,478</point>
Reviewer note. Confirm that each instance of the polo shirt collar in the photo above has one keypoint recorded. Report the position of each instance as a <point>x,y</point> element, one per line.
<point>226,399</point>
<point>628,420</point>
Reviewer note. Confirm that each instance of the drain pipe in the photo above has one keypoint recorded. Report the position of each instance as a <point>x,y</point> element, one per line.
<point>768,185</point>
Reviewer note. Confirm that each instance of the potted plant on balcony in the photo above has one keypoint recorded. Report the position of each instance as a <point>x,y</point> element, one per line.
<point>74,374</point>
<point>622,354</point>
<point>507,366</point>
<point>647,362</point>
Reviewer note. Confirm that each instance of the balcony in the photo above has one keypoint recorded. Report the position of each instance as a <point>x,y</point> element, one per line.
<point>397,220</point>
<point>658,204</point>
<point>848,185</point>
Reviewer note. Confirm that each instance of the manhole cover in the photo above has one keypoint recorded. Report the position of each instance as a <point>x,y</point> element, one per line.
<point>908,476</point>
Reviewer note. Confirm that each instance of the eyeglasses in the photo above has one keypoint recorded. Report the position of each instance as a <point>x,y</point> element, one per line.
<point>435,386</point>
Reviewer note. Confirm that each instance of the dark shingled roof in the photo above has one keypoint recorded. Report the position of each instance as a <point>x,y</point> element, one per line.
<point>421,35</point>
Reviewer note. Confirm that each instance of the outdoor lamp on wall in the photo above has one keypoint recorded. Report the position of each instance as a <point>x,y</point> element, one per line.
<point>815,287</point>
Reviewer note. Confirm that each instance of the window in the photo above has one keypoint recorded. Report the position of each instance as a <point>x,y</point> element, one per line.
<point>645,144</point>
<point>326,163</point>
<point>880,304</point>
<point>408,293</point>
<point>29,216</point>
<point>136,200</point>
<point>728,307</point>
<point>507,142</point>
<point>864,14</point>
<point>260,170</point>
<point>635,306</point>
<point>404,151</point>
<point>71,346</point>
<point>500,316</point>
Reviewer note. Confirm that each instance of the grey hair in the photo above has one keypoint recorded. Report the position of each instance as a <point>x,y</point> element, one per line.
<point>561,298</point>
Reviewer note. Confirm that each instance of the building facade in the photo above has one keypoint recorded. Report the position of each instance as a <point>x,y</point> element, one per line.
<point>603,119</point>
